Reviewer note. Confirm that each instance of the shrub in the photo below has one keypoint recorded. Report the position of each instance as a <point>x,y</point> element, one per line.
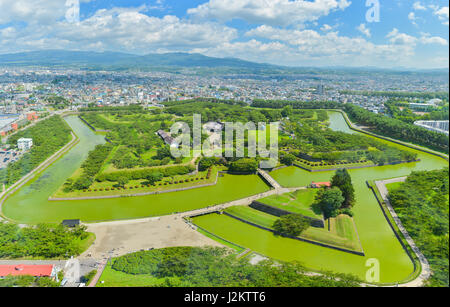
<point>291,225</point>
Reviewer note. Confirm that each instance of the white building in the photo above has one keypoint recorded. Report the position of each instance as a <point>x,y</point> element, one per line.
<point>440,126</point>
<point>25,144</point>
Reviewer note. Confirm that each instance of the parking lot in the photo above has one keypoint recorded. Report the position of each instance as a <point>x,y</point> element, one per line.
<point>8,156</point>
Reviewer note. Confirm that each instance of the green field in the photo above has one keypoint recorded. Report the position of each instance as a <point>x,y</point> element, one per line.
<point>342,231</point>
<point>297,202</point>
<point>266,243</point>
<point>393,186</point>
<point>113,278</point>
<point>253,215</point>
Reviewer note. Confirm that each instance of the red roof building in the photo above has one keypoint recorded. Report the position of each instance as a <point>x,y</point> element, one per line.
<point>31,270</point>
<point>321,185</point>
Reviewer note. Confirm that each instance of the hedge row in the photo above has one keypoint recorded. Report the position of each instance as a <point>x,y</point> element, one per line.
<point>145,173</point>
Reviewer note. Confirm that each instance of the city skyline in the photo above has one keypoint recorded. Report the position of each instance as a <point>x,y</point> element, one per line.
<point>412,34</point>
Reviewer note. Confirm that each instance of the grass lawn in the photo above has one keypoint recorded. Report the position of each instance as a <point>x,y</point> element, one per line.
<point>86,243</point>
<point>237,248</point>
<point>253,215</point>
<point>393,186</point>
<point>113,278</point>
<point>298,202</point>
<point>266,243</point>
<point>342,231</point>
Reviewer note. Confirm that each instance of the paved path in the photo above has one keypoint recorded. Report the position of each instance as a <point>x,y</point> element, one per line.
<point>100,269</point>
<point>269,179</point>
<point>12,189</point>
<point>426,270</point>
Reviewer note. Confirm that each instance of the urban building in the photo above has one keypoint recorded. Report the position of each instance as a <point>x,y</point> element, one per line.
<point>24,144</point>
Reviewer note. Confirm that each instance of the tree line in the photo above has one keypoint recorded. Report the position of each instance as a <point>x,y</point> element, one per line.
<point>380,124</point>
<point>41,241</point>
<point>216,267</point>
<point>48,137</point>
<point>422,203</point>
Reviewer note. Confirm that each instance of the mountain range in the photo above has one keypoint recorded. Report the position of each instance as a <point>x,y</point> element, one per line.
<point>117,59</point>
<point>171,62</point>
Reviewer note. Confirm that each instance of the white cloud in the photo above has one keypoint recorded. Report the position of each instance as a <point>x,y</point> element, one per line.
<point>397,38</point>
<point>308,46</point>
<point>273,12</point>
<point>418,6</point>
<point>31,11</point>
<point>443,15</point>
<point>427,39</point>
<point>364,30</point>
<point>412,17</point>
<point>121,30</point>
<point>326,28</point>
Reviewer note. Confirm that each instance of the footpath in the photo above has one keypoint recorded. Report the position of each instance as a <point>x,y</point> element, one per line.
<point>426,270</point>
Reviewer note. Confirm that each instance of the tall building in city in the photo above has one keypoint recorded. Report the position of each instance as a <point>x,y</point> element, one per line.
<point>320,89</point>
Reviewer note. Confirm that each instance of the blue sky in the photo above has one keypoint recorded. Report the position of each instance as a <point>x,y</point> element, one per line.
<point>286,32</point>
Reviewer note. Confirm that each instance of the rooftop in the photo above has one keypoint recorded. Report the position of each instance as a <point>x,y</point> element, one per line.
<point>32,270</point>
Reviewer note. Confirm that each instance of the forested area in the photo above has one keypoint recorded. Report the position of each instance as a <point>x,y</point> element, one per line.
<point>90,169</point>
<point>131,109</point>
<point>421,95</point>
<point>402,111</point>
<point>42,241</point>
<point>422,203</point>
<point>135,134</point>
<point>216,267</point>
<point>314,143</point>
<point>224,112</point>
<point>380,124</point>
<point>398,129</point>
<point>48,137</point>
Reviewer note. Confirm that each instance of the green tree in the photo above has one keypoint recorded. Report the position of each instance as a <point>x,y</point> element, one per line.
<point>343,181</point>
<point>330,201</point>
<point>291,224</point>
<point>154,177</point>
<point>122,181</point>
<point>163,152</point>
<point>248,166</point>
<point>288,159</point>
<point>287,111</point>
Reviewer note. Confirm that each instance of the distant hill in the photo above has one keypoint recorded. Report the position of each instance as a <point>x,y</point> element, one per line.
<point>177,62</point>
<point>117,59</point>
